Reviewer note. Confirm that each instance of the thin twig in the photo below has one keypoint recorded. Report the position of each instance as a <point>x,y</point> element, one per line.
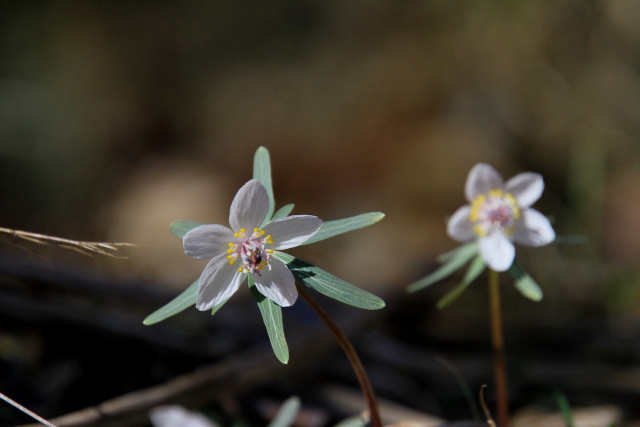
<point>85,248</point>
<point>485,408</point>
<point>354,360</point>
<point>497,339</point>
<point>25,410</point>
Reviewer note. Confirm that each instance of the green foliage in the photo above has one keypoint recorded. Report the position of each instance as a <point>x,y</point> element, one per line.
<point>272,318</point>
<point>453,261</point>
<point>180,228</point>
<point>329,285</point>
<point>341,226</point>
<point>183,301</point>
<point>525,283</point>
<point>565,408</point>
<point>287,413</point>
<point>475,269</point>
<point>283,212</point>
<point>262,172</point>
<point>180,303</point>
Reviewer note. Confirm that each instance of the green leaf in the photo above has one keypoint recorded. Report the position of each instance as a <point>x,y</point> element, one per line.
<point>287,413</point>
<point>525,283</point>
<point>456,259</point>
<point>565,408</point>
<point>477,266</point>
<point>445,257</point>
<point>262,172</point>
<point>180,228</point>
<point>215,309</point>
<point>183,301</point>
<point>329,285</point>
<point>272,318</point>
<point>282,212</point>
<point>341,226</point>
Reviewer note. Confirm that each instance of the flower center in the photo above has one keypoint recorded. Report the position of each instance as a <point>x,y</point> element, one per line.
<point>496,211</point>
<point>251,251</point>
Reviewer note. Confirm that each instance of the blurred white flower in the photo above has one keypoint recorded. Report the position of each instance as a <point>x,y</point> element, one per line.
<point>499,214</point>
<point>246,249</point>
<point>177,416</point>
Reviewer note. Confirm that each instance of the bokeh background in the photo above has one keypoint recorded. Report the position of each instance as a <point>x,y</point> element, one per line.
<point>117,118</point>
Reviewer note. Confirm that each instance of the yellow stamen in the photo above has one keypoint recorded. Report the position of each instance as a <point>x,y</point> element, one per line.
<point>515,209</point>
<point>496,193</point>
<point>479,230</point>
<point>269,251</point>
<point>475,207</point>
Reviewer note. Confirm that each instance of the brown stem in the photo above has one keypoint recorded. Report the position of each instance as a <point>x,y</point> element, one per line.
<point>351,354</point>
<point>502,406</point>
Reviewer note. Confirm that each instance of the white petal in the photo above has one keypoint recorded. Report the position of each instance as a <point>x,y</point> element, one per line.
<point>533,229</point>
<point>526,187</point>
<point>176,415</point>
<point>277,284</point>
<point>459,227</point>
<point>218,282</point>
<point>292,231</point>
<point>497,251</point>
<point>207,241</point>
<point>481,179</point>
<point>249,207</point>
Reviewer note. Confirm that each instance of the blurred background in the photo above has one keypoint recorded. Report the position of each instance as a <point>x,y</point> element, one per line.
<point>117,118</point>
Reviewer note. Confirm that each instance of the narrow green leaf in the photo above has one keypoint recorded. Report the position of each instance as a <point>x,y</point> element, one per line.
<point>216,308</point>
<point>456,260</point>
<point>272,318</point>
<point>262,172</point>
<point>525,283</point>
<point>183,301</point>
<point>565,407</point>
<point>341,226</point>
<point>180,228</point>
<point>329,285</point>
<point>477,266</point>
<point>447,256</point>
<point>283,212</point>
<point>287,413</point>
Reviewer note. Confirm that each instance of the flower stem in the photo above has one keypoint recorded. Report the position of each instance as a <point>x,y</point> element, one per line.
<point>497,340</point>
<point>351,354</point>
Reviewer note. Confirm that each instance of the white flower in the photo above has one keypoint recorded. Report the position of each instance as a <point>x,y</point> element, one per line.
<point>246,249</point>
<point>500,214</point>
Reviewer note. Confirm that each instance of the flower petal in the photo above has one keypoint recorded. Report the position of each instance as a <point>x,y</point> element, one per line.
<point>292,231</point>
<point>533,229</point>
<point>207,241</point>
<point>218,282</point>
<point>481,179</point>
<point>526,187</point>
<point>249,206</point>
<point>497,251</point>
<point>277,284</point>
<point>459,227</point>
